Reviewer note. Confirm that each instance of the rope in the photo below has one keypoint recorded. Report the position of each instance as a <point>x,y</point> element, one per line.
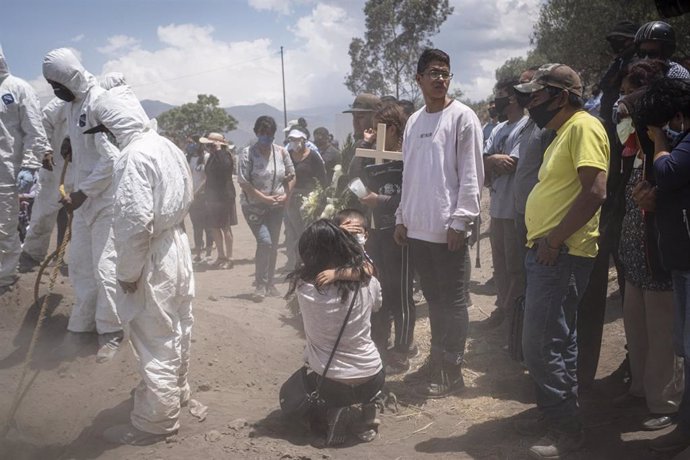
<point>60,254</point>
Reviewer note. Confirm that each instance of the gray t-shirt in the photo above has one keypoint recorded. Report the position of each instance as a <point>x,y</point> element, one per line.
<point>534,143</point>
<point>504,139</point>
<point>266,174</point>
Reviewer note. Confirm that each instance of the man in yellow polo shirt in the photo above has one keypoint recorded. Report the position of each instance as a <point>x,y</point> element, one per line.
<point>562,218</point>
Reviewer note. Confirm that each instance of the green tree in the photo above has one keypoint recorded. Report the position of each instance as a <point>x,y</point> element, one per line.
<point>195,119</point>
<point>573,32</point>
<point>513,67</point>
<point>397,31</point>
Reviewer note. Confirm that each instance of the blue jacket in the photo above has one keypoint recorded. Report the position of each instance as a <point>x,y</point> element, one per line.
<point>672,175</point>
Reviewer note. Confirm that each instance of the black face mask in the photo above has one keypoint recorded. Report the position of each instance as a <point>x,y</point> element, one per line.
<point>523,99</point>
<point>501,104</point>
<point>61,92</point>
<point>541,114</point>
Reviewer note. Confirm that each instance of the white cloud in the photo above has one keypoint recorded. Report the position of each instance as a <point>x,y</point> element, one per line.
<point>118,43</point>
<point>77,38</point>
<point>193,61</point>
<point>279,6</point>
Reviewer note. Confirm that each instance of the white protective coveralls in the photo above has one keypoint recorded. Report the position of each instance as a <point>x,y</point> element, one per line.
<point>91,252</point>
<point>153,192</point>
<point>47,203</point>
<point>22,141</point>
<point>112,79</point>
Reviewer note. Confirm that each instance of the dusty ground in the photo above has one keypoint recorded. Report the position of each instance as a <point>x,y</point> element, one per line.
<point>243,351</point>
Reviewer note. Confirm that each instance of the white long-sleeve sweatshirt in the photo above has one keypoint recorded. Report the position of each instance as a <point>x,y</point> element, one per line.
<point>443,173</point>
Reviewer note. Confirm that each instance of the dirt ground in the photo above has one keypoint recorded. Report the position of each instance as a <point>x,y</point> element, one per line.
<point>243,351</point>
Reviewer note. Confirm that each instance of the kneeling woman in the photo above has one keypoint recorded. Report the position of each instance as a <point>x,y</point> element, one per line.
<point>355,375</point>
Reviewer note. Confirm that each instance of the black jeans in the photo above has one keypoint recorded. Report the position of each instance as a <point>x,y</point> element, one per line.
<point>395,274</point>
<point>337,394</point>
<point>197,214</point>
<point>442,274</point>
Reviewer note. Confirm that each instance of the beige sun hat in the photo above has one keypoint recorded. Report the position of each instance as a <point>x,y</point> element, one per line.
<point>214,138</point>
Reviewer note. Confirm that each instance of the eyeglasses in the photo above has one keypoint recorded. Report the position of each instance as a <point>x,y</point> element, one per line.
<point>439,75</point>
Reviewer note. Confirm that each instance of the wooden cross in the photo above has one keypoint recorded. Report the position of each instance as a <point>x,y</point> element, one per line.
<point>380,153</point>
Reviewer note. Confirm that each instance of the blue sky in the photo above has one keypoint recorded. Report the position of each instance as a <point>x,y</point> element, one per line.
<point>171,50</point>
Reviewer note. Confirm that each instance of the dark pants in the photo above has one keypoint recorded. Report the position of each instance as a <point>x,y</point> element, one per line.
<point>266,230</point>
<point>442,275</point>
<point>592,309</point>
<point>395,274</point>
<point>681,338</point>
<point>337,394</point>
<point>549,334</point>
<point>197,214</point>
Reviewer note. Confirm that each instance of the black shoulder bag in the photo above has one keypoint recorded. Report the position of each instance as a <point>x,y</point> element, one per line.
<point>296,399</point>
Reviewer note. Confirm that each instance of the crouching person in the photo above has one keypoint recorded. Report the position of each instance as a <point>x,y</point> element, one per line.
<point>153,192</point>
<point>336,295</point>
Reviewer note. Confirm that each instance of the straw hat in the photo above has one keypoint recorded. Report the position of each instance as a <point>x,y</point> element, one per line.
<point>213,138</point>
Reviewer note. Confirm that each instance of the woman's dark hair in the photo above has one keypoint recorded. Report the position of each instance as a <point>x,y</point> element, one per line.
<point>663,99</point>
<point>645,71</point>
<point>322,246</point>
<point>428,56</point>
<point>392,114</point>
<point>508,84</point>
<point>265,123</point>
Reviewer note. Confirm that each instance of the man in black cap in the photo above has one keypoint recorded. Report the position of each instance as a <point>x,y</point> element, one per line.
<point>331,155</point>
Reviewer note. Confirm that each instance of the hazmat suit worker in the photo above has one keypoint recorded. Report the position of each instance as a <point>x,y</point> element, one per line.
<point>112,80</point>
<point>91,253</point>
<point>47,203</point>
<point>153,193</point>
<point>22,140</point>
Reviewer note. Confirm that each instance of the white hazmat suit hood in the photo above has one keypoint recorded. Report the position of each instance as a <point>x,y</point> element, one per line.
<point>153,191</point>
<point>62,66</point>
<point>112,80</point>
<point>4,68</point>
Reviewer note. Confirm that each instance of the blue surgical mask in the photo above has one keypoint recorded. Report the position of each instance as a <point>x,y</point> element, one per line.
<point>264,139</point>
<point>672,135</point>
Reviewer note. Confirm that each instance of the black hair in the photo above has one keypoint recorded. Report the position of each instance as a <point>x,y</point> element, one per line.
<point>663,99</point>
<point>350,213</point>
<point>322,246</point>
<point>428,56</point>
<point>264,122</point>
<point>507,84</point>
<point>645,71</point>
<point>407,106</point>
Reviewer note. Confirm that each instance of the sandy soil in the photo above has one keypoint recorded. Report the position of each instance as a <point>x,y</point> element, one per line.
<point>243,351</point>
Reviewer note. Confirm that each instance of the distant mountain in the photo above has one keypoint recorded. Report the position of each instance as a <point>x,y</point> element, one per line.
<point>246,115</point>
<point>155,108</point>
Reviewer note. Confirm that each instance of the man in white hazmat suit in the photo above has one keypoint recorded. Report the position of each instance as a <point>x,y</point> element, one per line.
<point>22,141</point>
<point>91,253</point>
<point>153,192</point>
<point>47,203</point>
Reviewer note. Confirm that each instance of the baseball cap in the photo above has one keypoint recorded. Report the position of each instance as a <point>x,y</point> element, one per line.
<point>364,102</point>
<point>555,75</point>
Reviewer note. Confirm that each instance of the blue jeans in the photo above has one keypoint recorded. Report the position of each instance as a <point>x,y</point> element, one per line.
<point>681,338</point>
<point>266,230</point>
<point>549,335</point>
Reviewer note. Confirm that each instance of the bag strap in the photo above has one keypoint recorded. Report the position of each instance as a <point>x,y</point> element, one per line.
<point>337,342</point>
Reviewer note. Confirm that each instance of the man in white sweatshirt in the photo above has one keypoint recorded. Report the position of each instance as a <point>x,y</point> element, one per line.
<point>442,153</point>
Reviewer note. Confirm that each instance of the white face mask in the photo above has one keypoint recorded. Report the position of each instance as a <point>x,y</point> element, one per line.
<point>361,238</point>
<point>295,146</point>
<point>625,128</point>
